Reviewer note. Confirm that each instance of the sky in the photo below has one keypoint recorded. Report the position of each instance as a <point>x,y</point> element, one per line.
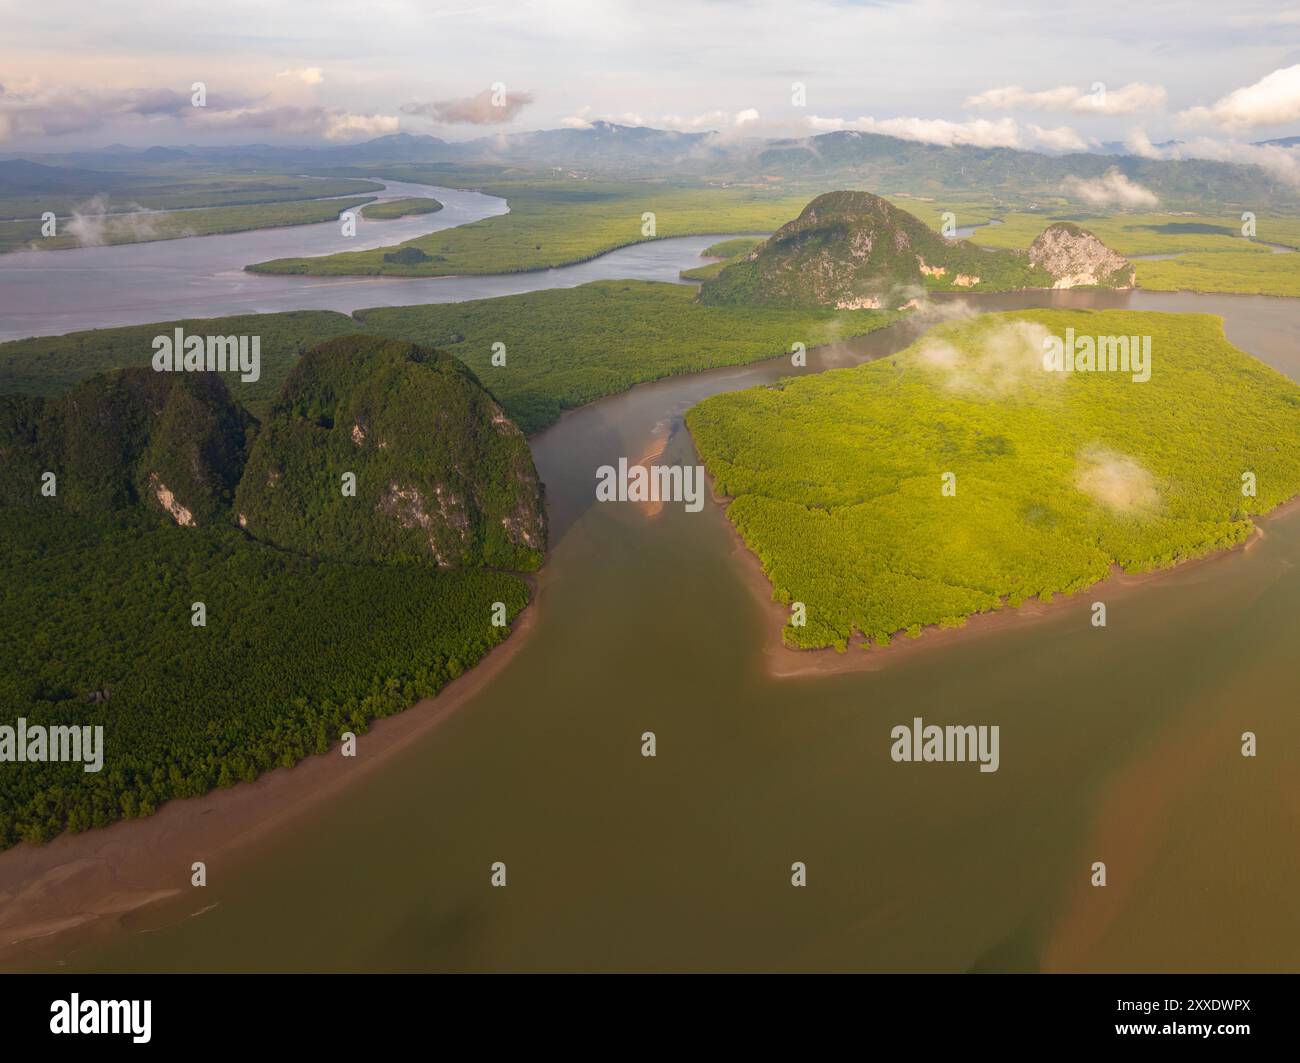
<point>1042,76</point>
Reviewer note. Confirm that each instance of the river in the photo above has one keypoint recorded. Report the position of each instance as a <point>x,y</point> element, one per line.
<point>1118,745</point>
<point>45,293</point>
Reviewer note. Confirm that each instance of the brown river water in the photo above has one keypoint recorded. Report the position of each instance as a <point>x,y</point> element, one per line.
<point>1118,745</point>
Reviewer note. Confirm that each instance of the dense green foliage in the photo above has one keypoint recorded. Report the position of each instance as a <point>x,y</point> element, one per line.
<point>727,252</point>
<point>295,651</point>
<point>737,245</point>
<point>569,346</point>
<point>47,365</point>
<point>1213,255</point>
<point>566,346</point>
<point>406,256</point>
<point>305,635</point>
<point>401,208</point>
<point>124,440</point>
<point>555,223</point>
<point>440,474</point>
<point>837,478</point>
<point>857,249</point>
<point>1244,274</point>
<point>63,190</point>
<point>1145,233</point>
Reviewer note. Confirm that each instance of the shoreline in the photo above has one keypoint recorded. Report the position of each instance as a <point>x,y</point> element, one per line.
<point>81,880</point>
<point>782,662</point>
<point>77,880</point>
<point>198,236</point>
<point>583,260</point>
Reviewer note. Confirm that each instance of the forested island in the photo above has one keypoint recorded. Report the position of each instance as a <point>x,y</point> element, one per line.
<point>960,476</point>
<point>388,209</point>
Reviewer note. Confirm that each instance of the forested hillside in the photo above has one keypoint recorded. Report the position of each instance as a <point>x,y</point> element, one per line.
<point>133,601</point>
<point>439,473</point>
<point>850,250</point>
<point>170,443</point>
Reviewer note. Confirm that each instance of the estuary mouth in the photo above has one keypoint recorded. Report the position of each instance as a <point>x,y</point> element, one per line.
<point>775,487</point>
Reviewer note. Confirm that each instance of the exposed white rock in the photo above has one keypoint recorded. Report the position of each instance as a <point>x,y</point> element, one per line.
<point>1075,258</point>
<point>167,500</point>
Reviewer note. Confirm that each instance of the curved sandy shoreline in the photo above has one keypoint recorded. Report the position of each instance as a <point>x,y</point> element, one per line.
<point>782,662</point>
<point>77,879</point>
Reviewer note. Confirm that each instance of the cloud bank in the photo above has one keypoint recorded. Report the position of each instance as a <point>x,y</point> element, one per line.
<point>38,112</point>
<point>1128,99</point>
<point>489,107</point>
<point>1272,100</point>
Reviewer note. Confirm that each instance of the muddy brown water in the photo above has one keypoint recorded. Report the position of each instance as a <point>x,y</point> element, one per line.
<point>1118,745</point>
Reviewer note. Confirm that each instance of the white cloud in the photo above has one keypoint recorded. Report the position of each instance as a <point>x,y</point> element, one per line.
<point>585,119</point>
<point>308,75</point>
<point>1127,99</point>
<point>693,123</point>
<point>979,132</point>
<point>1113,189</point>
<point>329,122</point>
<point>63,111</point>
<point>1282,163</point>
<point>617,53</point>
<point>1005,359</point>
<point>1060,138</point>
<point>1272,100</point>
<point>40,112</point>
<point>91,223</point>
<point>489,107</point>
<point>1138,143</point>
<point>1116,480</point>
<point>343,125</point>
<point>707,122</point>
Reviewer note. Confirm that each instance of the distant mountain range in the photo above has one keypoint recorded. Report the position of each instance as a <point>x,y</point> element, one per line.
<point>1118,147</point>
<point>602,143</point>
<point>22,177</point>
<point>889,164</point>
<point>815,163</point>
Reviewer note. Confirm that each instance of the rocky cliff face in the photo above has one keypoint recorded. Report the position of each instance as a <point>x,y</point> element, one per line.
<point>382,450</point>
<point>1075,258</point>
<point>853,250</point>
<point>377,450</point>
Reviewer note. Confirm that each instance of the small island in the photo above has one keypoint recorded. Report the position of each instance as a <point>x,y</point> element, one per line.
<point>389,209</point>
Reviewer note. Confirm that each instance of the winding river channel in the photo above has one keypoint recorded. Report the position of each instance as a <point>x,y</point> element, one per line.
<point>1118,744</point>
